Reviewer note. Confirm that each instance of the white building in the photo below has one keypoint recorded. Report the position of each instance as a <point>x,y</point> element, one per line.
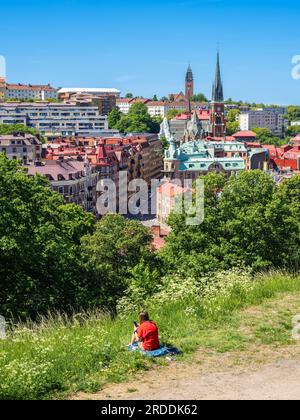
<point>295,123</point>
<point>124,104</point>
<point>26,92</point>
<point>155,108</point>
<point>54,119</point>
<point>271,118</point>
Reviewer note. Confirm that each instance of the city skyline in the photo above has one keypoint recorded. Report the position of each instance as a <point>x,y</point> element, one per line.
<point>148,53</point>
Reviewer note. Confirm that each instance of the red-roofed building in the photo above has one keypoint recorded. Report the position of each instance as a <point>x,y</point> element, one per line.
<point>248,136</point>
<point>75,180</point>
<point>25,92</point>
<point>296,140</point>
<point>286,158</point>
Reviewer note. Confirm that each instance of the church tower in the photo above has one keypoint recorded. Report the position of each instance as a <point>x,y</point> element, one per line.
<point>218,122</point>
<point>189,83</point>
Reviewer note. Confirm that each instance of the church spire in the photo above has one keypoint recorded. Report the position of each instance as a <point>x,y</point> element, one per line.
<point>189,74</point>
<point>217,94</point>
<point>189,83</point>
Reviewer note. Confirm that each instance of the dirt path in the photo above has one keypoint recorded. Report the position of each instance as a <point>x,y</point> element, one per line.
<point>280,381</point>
<point>232,376</point>
<point>267,368</point>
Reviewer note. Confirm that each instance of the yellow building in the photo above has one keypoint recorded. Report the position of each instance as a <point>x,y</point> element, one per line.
<point>2,88</point>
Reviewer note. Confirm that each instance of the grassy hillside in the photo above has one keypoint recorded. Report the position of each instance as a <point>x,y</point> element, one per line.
<point>60,356</point>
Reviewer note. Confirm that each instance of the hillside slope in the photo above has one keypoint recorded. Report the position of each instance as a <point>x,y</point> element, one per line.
<point>252,357</point>
<point>232,320</point>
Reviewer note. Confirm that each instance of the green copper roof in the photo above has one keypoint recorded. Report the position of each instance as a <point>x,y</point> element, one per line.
<point>233,164</point>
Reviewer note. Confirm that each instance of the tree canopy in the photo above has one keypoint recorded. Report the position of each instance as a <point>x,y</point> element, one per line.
<point>39,243</point>
<point>138,120</point>
<point>53,256</point>
<point>265,136</point>
<point>199,97</point>
<point>17,128</point>
<point>252,222</point>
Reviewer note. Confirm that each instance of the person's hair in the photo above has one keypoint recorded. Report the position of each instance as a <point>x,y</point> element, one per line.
<point>144,316</point>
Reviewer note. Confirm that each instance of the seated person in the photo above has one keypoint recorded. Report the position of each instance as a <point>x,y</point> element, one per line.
<point>146,334</point>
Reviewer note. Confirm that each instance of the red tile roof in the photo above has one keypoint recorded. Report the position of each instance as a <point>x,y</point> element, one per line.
<point>245,134</point>
<point>29,87</point>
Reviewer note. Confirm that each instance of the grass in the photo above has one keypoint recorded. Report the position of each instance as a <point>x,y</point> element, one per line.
<point>62,356</point>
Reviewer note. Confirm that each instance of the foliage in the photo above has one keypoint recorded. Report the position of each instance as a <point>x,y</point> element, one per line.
<point>8,129</point>
<point>232,115</point>
<point>129,96</point>
<point>199,97</point>
<point>165,143</point>
<point>39,245</point>
<point>138,120</point>
<point>172,113</point>
<point>265,136</point>
<point>232,128</point>
<point>109,254</point>
<point>114,118</point>
<point>245,225</point>
<point>17,128</point>
<point>62,355</point>
<point>232,125</point>
<point>293,130</point>
<point>294,113</point>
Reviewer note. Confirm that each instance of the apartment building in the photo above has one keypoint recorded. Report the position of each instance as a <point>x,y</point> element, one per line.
<point>2,88</point>
<point>104,102</point>
<point>66,94</point>
<point>23,147</point>
<point>76,180</point>
<point>273,119</point>
<point>155,108</point>
<point>54,119</point>
<point>26,92</point>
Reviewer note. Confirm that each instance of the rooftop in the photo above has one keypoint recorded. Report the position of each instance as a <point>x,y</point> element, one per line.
<point>89,90</point>
<point>245,134</point>
<point>20,86</point>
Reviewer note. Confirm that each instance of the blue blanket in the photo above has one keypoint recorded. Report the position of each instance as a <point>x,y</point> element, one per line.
<point>161,352</point>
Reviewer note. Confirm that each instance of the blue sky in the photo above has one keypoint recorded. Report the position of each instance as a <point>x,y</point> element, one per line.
<point>145,46</point>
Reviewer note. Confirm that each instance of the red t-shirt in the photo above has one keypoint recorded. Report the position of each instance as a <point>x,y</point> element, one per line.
<point>148,334</point>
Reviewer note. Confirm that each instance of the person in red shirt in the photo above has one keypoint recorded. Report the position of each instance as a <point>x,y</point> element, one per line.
<point>146,334</point>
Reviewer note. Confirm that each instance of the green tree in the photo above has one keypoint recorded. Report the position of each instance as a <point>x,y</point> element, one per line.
<point>39,245</point>
<point>199,97</point>
<point>155,99</point>
<point>129,95</point>
<point>114,118</point>
<point>109,255</point>
<point>292,131</point>
<point>245,225</point>
<point>232,127</point>
<point>17,128</point>
<point>265,136</point>
<point>138,120</point>
<point>172,113</point>
<point>233,114</point>
<point>294,113</point>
